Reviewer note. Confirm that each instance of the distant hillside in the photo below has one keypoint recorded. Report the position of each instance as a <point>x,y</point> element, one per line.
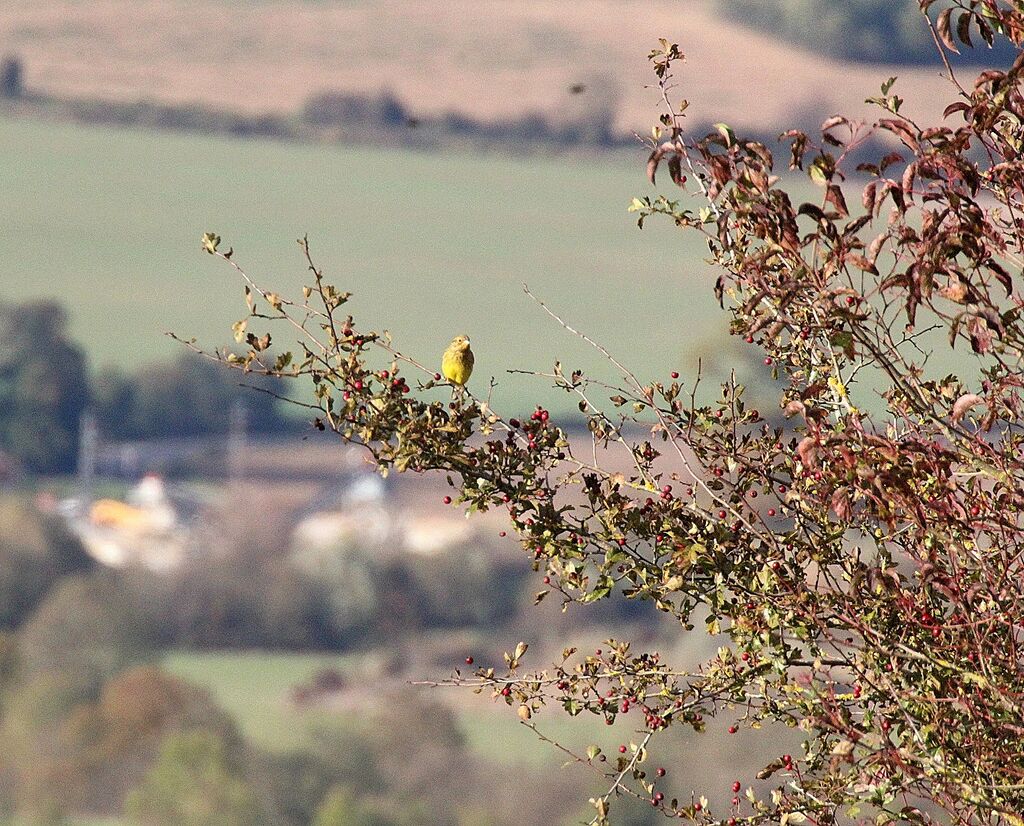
<point>490,60</point>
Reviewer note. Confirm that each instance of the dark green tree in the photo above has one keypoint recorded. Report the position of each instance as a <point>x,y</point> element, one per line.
<point>11,82</point>
<point>85,628</point>
<point>195,781</point>
<point>342,808</point>
<point>188,396</point>
<point>44,386</point>
<point>35,552</point>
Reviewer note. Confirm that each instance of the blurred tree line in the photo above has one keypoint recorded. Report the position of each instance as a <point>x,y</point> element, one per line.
<point>863,30</point>
<point>46,385</point>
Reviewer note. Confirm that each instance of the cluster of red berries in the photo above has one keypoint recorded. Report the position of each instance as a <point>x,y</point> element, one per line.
<point>397,383</point>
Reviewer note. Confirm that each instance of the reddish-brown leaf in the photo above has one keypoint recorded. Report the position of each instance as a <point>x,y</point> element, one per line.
<point>958,106</point>
<point>1002,276</point>
<point>902,130</point>
<point>868,197</point>
<point>962,405</point>
<point>862,263</point>
<point>834,196</point>
<point>963,29</point>
<point>652,165</point>
<point>942,26</point>
<point>841,504</point>
<point>833,122</point>
<point>889,160</point>
<point>807,451</point>
<point>909,174</point>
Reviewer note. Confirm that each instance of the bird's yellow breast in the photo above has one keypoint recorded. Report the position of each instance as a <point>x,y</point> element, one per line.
<point>457,364</point>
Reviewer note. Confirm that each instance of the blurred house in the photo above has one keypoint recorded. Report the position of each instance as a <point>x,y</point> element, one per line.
<point>148,529</point>
<point>429,534</point>
<point>363,513</point>
<point>355,513</point>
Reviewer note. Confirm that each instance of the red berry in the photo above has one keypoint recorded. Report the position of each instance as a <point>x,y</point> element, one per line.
<point>622,749</point>
<point>736,786</point>
<point>469,660</point>
<point>675,375</point>
<point>437,377</point>
<point>771,511</point>
<point>768,361</point>
<point>732,729</point>
<point>447,500</point>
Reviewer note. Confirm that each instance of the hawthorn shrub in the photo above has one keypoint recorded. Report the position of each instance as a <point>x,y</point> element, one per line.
<point>860,561</point>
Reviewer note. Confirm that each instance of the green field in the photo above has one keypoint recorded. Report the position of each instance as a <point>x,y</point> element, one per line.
<point>253,687</point>
<point>431,245</point>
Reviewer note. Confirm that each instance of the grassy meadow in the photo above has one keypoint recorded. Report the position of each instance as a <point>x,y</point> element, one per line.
<point>109,221</point>
<point>254,688</point>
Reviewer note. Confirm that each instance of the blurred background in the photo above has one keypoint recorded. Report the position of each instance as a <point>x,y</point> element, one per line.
<point>210,614</point>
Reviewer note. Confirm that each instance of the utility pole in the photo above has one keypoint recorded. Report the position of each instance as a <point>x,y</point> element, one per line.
<point>237,443</point>
<point>88,444</point>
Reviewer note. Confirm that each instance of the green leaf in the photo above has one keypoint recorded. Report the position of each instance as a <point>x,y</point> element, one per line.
<point>818,174</point>
<point>726,132</point>
<point>210,242</point>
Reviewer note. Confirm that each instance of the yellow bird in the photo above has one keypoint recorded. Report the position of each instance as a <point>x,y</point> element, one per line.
<point>457,362</point>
